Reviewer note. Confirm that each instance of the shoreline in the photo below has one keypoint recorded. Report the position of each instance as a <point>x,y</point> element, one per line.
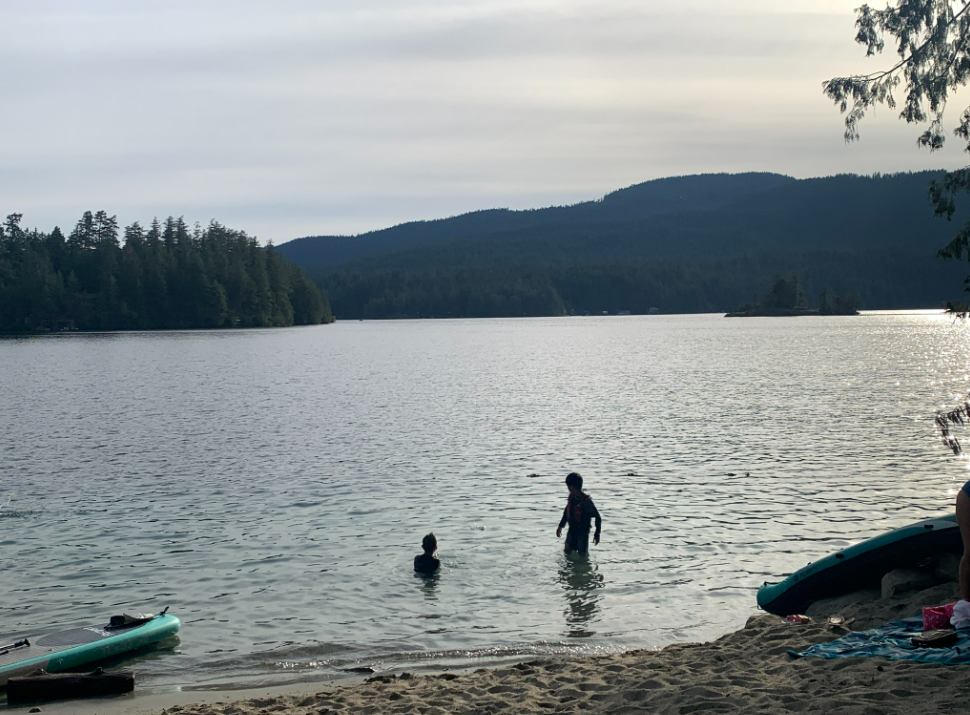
<point>746,671</point>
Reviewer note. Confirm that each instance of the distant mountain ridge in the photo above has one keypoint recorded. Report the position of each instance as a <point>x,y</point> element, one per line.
<point>682,244</point>
<point>726,213</point>
<point>640,201</point>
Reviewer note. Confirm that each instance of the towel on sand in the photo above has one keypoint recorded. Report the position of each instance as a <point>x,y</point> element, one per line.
<point>892,641</point>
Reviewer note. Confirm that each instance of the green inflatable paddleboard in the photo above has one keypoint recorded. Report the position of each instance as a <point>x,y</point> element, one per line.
<point>862,566</point>
<point>73,648</point>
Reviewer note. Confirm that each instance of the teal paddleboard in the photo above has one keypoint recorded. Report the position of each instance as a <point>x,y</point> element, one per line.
<point>76,647</point>
<point>862,566</point>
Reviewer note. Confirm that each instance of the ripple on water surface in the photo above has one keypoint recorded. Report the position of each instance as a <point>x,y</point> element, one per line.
<point>272,487</point>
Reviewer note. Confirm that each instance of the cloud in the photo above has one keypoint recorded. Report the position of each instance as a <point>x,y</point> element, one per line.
<point>294,118</point>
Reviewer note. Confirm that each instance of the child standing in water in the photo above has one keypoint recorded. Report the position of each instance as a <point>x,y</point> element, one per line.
<point>579,512</point>
<point>426,562</point>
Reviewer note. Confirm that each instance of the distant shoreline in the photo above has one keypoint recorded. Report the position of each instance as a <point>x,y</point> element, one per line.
<point>775,313</point>
<point>337,319</point>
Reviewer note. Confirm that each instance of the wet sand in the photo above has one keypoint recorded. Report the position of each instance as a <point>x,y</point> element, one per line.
<point>747,671</point>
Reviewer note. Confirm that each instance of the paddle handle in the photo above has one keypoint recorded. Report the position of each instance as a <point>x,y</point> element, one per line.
<point>11,646</point>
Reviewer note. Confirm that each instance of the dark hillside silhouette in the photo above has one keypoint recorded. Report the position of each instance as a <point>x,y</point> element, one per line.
<point>647,200</point>
<point>683,244</point>
<point>723,214</point>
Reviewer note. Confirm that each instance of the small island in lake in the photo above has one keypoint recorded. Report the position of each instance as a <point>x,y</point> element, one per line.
<point>787,299</point>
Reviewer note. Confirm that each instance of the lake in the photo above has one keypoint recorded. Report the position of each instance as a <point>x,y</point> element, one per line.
<point>272,486</point>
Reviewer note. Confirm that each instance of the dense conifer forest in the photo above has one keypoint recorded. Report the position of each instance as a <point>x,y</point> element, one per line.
<point>709,243</point>
<point>890,279</point>
<point>168,276</point>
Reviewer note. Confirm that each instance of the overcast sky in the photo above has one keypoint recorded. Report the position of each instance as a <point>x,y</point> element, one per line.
<point>304,117</point>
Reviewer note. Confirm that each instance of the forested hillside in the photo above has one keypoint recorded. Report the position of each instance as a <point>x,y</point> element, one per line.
<point>168,276</point>
<point>684,244</point>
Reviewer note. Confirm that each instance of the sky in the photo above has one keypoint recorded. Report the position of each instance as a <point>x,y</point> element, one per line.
<point>307,117</point>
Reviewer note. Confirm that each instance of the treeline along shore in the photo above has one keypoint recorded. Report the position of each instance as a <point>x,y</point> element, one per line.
<point>892,279</point>
<point>168,276</point>
<point>691,244</point>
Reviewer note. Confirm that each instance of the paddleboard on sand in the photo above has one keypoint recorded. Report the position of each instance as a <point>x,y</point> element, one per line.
<point>862,566</point>
<point>72,648</point>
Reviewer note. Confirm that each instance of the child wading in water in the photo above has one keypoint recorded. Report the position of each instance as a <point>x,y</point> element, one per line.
<point>580,511</point>
<point>426,562</point>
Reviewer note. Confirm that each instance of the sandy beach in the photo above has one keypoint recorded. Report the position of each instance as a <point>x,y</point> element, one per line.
<point>747,671</point>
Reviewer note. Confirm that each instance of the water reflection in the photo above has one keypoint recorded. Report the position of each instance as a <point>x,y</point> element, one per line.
<point>428,583</point>
<point>581,580</point>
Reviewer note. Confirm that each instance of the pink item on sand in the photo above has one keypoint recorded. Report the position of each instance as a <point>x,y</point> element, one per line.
<point>937,617</point>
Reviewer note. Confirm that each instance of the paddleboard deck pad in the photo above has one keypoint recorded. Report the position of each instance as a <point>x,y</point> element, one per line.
<point>56,652</point>
<point>862,566</point>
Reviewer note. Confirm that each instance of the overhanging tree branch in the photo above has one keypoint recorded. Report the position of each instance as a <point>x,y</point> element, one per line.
<point>933,39</point>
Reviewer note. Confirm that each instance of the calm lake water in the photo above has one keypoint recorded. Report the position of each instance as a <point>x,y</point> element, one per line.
<point>273,486</point>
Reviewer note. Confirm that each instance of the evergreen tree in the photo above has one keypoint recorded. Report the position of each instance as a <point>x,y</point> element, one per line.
<point>84,235</point>
<point>932,40</point>
<point>786,293</point>
<point>168,277</point>
<point>11,228</point>
<point>154,235</point>
<point>105,229</point>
